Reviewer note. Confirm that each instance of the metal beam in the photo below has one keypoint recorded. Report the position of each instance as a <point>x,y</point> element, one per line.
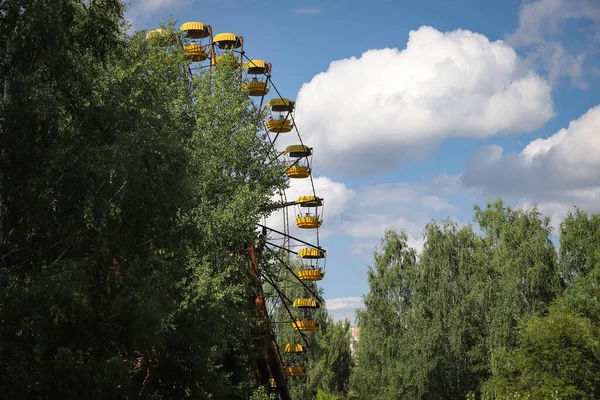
<point>271,356</point>
<point>291,237</point>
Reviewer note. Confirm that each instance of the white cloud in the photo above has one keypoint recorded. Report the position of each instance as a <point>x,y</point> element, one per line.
<point>363,214</point>
<point>559,206</point>
<point>541,18</point>
<point>372,224</point>
<point>344,307</point>
<point>391,106</point>
<point>540,30</point>
<point>557,62</point>
<point>140,10</point>
<point>568,160</point>
<point>403,206</point>
<point>556,173</point>
<point>343,302</point>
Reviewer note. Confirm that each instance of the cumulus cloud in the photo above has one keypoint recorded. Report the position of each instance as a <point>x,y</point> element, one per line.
<point>556,173</point>
<point>540,31</point>
<point>542,18</point>
<point>343,302</point>
<point>404,206</point>
<point>391,106</point>
<point>569,160</point>
<point>558,208</point>
<point>558,63</point>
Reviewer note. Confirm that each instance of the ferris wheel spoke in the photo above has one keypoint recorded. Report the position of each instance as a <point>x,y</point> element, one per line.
<point>293,273</point>
<point>294,320</point>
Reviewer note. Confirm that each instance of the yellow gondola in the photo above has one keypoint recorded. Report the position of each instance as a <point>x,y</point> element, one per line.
<point>298,151</point>
<point>305,303</point>
<point>311,253</point>
<point>195,30</point>
<point>226,44</point>
<point>309,201</point>
<point>298,171</point>
<point>280,104</point>
<point>193,33</point>
<point>309,220</point>
<point>228,41</point>
<point>292,348</point>
<point>307,326</point>
<point>195,52</point>
<point>279,125</point>
<point>280,119</point>
<point>156,33</point>
<point>294,371</point>
<point>311,275</point>
<point>217,59</point>
<point>258,72</point>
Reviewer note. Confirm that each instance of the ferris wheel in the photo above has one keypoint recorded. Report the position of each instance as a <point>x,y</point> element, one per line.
<point>295,259</point>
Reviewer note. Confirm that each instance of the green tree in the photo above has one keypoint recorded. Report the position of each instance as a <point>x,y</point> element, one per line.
<point>330,368</point>
<point>523,267</point>
<point>558,353</point>
<point>66,179</point>
<point>321,395</point>
<point>579,244</point>
<point>431,329</point>
<point>211,347</point>
<point>557,357</point>
<point>262,394</point>
<point>129,202</point>
<point>381,354</point>
<point>448,322</point>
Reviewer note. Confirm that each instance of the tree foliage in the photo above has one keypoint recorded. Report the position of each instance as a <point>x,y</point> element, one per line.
<point>379,371</point>
<point>558,353</point>
<point>483,315</point>
<point>130,195</point>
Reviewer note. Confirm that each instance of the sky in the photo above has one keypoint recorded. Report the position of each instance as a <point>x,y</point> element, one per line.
<point>418,110</point>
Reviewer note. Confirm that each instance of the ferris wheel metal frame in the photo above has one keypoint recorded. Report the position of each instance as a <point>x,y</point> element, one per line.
<point>272,369</point>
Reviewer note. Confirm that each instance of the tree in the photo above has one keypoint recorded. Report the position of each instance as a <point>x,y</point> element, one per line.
<point>330,368</point>
<point>579,244</point>
<point>435,328</point>
<point>130,201</point>
<point>523,267</point>
<point>448,322</point>
<point>557,357</point>
<point>558,353</point>
<point>211,346</point>
<point>61,181</point>
<point>262,394</point>
<point>379,371</point>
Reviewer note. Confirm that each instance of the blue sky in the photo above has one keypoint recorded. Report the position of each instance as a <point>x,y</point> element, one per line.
<point>419,109</point>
